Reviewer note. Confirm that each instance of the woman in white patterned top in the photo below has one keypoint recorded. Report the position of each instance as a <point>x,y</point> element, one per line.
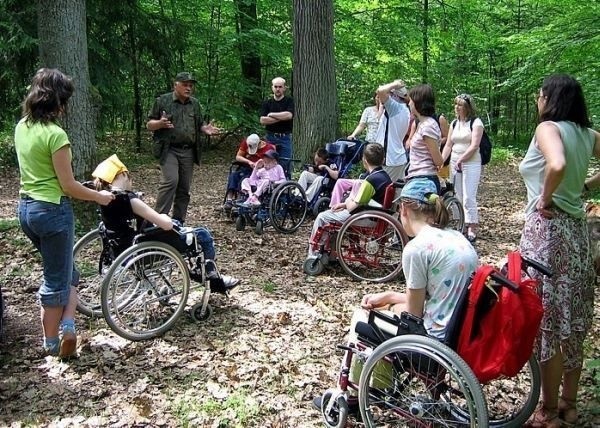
<point>369,120</point>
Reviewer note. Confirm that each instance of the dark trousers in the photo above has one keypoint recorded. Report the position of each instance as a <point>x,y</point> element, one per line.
<point>174,188</point>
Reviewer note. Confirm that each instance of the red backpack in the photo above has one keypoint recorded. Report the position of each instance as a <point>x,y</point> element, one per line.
<point>501,321</point>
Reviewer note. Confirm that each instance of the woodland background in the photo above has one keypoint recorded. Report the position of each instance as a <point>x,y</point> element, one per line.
<point>333,55</point>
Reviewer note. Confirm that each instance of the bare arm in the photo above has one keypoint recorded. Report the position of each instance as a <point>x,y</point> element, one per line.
<point>550,144</point>
<point>384,90</point>
<point>241,158</point>
<point>434,150</point>
<point>444,128</point>
<point>163,122</point>
<point>476,135</point>
<point>415,301</point>
<point>333,173</point>
<point>448,147</point>
<point>359,128</point>
<point>594,181</point>
<point>73,188</point>
<point>140,208</point>
<point>267,120</point>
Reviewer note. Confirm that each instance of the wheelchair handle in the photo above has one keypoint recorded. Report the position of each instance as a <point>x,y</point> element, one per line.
<point>537,266</point>
<point>505,282</point>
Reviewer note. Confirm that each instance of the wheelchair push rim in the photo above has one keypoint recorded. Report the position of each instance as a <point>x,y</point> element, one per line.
<point>145,291</point>
<point>288,207</point>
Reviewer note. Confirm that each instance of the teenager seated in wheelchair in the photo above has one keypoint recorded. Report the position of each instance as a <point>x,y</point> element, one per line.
<point>127,208</point>
<point>437,263</point>
<point>251,150</point>
<point>371,190</point>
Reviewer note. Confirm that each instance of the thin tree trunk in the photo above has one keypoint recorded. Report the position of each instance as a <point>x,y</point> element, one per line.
<point>63,45</point>
<point>425,71</point>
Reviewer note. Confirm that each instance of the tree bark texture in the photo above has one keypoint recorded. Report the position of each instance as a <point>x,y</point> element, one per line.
<point>314,85</point>
<point>63,45</point>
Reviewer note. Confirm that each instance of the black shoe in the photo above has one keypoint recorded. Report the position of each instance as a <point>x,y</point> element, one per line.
<point>228,205</point>
<point>223,284</point>
<point>211,269</point>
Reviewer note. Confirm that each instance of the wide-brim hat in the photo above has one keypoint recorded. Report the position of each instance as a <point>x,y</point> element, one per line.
<point>109,168</point>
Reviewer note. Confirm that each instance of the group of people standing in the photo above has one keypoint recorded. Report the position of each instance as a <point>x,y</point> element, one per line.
<point>419,142</point>
<point>554,171</point>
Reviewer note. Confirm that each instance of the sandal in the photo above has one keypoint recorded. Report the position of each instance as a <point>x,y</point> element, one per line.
<point>544,418</point>
<point>567,412</point>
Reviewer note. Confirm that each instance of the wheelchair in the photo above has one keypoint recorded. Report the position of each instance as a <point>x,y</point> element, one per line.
<point>368,245</point>
<point>283,206</point>
<point>140,283</point>
<point>411,379</point>
<point>344,154</point>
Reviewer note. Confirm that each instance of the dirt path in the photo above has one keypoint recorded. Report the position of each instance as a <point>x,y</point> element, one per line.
<point>257,362</point>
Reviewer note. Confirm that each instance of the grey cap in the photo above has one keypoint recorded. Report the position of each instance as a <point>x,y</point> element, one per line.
<point>184,76</point>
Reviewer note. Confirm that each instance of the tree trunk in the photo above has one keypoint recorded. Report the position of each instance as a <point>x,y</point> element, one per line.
<point>425,70</point>
<point>135,74</point>
<point>314,86</point>
<point>63,45</point>
<point>249,57</point>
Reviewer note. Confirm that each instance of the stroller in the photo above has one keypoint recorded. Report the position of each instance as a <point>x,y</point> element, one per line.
<point>344,154</point>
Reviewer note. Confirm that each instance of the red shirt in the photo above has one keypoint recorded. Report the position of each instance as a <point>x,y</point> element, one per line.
<point>260,153</point>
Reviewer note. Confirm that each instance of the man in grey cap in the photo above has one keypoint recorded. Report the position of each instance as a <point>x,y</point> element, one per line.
<point>393,127</point>
<point>176,123</point>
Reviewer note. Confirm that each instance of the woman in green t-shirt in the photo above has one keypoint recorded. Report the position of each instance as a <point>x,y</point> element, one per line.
<point>45,211</point>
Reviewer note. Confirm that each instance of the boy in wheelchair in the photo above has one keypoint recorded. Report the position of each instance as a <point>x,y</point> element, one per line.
<point>437,263</point>
<point>371,189</point>
<point>266,172</point>
<point>111,174</point>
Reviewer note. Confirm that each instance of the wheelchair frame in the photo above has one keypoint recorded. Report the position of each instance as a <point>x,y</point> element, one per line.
<point>423,381</point>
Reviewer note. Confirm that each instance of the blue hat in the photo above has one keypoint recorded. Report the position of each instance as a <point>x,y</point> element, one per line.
<point>420,189</point>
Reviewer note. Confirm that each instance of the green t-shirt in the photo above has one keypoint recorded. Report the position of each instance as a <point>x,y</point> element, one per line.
<point>35,143</point>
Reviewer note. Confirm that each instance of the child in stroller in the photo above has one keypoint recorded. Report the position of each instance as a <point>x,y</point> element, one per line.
<point>312,179</point>
<point>112,174</point>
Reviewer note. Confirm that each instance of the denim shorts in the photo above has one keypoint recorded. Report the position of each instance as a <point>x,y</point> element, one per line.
<point>51,229</point>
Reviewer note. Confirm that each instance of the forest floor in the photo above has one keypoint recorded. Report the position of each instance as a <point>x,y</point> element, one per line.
<point>258,362</point>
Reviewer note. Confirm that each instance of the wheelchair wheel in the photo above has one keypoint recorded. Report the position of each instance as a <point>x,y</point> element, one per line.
<point>313,266</point>
<point>197,314</point>
<point>91,260</point>
<point>259,227</point>
<point>418,381</point>
<point>288,206</point>
<point>369,246</point>
<point>511,401</point>
<point>240,223</point>
<point>456,213</point>
<point>145,291</point>
<point>322,204</point>
<point>337,416</point>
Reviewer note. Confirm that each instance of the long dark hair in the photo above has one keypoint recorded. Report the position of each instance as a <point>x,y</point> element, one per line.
<point>48,95</point>
<point>564,100</point>
<point>423,98</point>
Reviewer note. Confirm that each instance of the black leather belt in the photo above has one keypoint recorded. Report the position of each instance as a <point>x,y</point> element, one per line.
<point>280,134</point>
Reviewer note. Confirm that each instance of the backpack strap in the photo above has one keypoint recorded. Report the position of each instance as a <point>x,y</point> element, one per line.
<point>475,289</point>
<point>514,267</point>
<point>453,123</point>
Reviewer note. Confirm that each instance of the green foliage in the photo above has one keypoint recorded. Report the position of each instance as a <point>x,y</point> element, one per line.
<point>8,156</point>
<point>269,287</point>
<point>593,365</point>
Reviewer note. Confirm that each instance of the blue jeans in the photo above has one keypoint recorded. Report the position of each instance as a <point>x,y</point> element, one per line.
<point>51,229</point>
<point>238,173</point>
<point>206,242</point>
<point>283,144</point>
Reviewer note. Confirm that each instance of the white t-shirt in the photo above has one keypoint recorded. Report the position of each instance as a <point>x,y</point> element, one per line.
<point>399,118</point>
<point>370,118</point>
<point>461,138</point>
<point>441,261</point>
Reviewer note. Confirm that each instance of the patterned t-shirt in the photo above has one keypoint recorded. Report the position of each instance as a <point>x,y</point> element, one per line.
<point>441,261</point>
<point>370,117</point>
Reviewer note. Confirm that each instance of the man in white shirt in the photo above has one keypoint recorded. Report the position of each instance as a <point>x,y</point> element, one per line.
<point>393,127</point>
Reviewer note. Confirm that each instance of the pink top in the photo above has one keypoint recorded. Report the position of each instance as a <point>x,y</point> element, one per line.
<point>274,174</point>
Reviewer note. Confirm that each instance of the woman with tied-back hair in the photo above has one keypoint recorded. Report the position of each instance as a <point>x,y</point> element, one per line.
<point>45,211</point>
<point>555,234</point>
<point>462,145</point>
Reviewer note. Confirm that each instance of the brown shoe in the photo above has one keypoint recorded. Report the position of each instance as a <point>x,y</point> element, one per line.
<point>68,345</point>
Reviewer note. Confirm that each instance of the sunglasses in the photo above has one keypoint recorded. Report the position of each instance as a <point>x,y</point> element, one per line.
<point>465,98</point>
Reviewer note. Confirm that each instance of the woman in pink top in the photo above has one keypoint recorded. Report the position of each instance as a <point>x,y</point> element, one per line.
<point>266,171</point>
